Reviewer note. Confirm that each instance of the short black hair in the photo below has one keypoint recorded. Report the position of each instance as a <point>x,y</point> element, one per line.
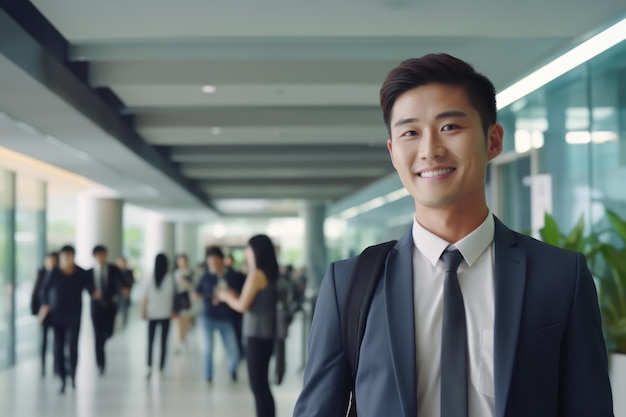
<point>54,255</point>
<point>68,248</point>
<point>214,251</point>
<point>99,249</point>
<point>441,69</point>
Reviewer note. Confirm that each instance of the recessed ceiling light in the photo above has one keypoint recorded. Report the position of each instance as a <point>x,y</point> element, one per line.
<point>209,89</point>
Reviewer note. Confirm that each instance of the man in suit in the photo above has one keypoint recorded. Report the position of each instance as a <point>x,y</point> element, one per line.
<point>108,280</point>
<point>533,343</point>
<point>50,262</point>
<point>61,300</point>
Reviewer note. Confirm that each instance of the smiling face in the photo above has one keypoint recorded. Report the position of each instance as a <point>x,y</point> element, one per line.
<point>439,149</point>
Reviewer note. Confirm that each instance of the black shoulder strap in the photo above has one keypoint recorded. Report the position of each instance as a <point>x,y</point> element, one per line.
<point>357,302</point>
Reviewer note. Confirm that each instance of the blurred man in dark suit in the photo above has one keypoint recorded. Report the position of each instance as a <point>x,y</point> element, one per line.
<point>108,280</point>
<point>61,299</point>
<point>50,262</point>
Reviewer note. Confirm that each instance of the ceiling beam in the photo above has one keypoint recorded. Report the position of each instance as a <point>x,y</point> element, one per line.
<point>250,72</point>
<point>45,66</point>
<point>211,173</point>
<point>258,116</point>
<point>276,135</point>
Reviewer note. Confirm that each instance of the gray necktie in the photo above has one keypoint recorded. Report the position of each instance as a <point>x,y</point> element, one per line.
<point>453,342</point>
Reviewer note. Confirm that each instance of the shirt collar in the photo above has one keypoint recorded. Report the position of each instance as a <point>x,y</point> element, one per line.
<point>471,246</point>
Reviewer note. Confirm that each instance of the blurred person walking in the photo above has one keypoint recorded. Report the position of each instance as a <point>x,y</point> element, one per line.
<point>158,307</point>
<point>183,277</point>
<point>129,280</point>
<point>258,303</point>
<point>216,315</point>
<point>61,298</point>
<point>237,285</point>
<point>109,282</point>
<point>50,262</point>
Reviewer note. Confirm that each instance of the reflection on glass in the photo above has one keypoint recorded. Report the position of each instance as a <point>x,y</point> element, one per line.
<point>28,258</point>
<point>6,207</point>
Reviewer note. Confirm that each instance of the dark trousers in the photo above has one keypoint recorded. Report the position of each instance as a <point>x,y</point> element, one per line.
<point>123,308</point>
<point>66,334</point>
<point>165,328</point>
<point>238,325</point>
<point>258,353</point>
<point>45,329</point>
<point>279,361</point>
<point>103,319</point>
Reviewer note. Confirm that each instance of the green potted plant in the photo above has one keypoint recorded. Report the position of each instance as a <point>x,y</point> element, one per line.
<point>605,251</point>
<point>607,263</point>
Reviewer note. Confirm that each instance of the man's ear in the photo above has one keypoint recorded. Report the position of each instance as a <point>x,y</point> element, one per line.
<point>494,141</point>
<point>390,149</point>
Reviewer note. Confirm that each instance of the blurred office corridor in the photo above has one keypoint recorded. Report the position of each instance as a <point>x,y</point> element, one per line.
<point>124,390</point>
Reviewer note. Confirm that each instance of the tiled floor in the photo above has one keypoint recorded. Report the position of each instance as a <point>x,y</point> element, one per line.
<point>124,391</point>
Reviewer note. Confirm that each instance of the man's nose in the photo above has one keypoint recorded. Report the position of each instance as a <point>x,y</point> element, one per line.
<point>431,146</point>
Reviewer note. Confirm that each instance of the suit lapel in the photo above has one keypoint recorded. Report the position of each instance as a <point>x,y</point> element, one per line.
<point>399,300</point>
<point>510,281</point>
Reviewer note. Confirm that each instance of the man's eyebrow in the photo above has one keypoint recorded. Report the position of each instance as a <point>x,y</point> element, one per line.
<point>405,121</point>
<point>451,113</point>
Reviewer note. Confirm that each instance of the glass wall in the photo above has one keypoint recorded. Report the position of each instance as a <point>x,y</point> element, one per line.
<point>29,252</point>
<point>24,239</point>
<point>382,211</point>
<point>7,226</point>
<point>575,124</point>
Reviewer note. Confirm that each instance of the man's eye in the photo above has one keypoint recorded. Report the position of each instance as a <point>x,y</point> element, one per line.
<point>449,127</point>
<point>410,133</point>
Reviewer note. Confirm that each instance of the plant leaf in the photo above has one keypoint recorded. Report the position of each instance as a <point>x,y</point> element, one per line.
<point>618,224</point>
<point>550,232</point>
<point>574,240</point>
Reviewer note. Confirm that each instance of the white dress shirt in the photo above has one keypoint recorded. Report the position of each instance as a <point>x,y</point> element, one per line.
<point>100,277</point>
<point>476,279</point>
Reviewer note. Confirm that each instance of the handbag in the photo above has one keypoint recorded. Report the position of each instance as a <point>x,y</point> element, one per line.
<point>182,301</point>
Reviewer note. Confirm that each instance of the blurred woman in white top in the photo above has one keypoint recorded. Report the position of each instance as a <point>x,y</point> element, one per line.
<point>158,307</point>
<point>183,277</point>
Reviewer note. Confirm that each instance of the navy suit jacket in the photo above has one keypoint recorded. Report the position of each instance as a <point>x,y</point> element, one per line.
<point>110,294</point>
<point>549,353</point>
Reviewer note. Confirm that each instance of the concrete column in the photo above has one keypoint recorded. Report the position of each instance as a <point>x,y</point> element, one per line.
<point>314,242</point>
<point>187,242</point>
<point>99,222</point>
<point>160,238</point>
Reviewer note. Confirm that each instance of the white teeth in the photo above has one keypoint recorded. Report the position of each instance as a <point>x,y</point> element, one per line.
<point>430,174</point>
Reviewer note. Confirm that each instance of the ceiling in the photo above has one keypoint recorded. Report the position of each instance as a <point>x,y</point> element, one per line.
<point>294,115</point>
